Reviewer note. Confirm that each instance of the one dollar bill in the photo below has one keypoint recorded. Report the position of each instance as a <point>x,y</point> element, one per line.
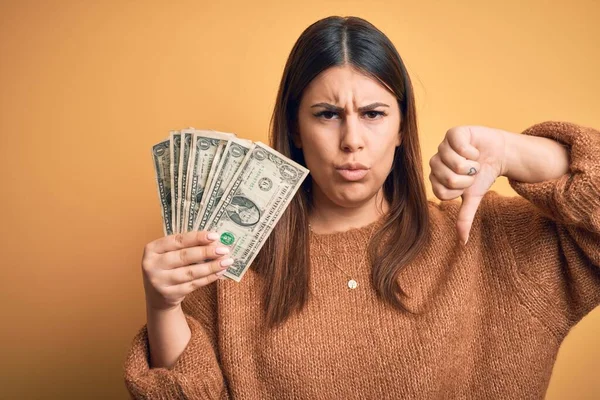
<point>233,156</point>
<point>184,158</point>
<point>161,158</point>
<point>175,137</point>
<point>254,201</point>
<point>204,149</point>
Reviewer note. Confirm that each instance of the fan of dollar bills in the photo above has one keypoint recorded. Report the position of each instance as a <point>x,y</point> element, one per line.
<point>214,181</point>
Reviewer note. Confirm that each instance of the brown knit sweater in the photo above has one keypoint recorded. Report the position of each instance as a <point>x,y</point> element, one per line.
<point>491,315</point>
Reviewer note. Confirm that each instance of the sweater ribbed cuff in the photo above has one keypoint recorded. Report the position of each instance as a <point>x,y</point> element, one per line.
<point>196,372</point>
<point>574,198</point>
<point>189,361</point>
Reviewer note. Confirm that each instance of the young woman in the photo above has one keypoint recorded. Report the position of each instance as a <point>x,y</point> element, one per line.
<point>365,289</point>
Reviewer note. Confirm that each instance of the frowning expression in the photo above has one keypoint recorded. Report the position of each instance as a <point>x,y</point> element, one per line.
<point>348,129</point>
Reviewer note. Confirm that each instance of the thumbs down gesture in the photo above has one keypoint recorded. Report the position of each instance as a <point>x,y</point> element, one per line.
<point>467,163</point>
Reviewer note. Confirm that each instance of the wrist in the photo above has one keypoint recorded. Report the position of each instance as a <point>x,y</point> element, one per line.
<point>511,153</point>
<point>163,316</point>
<point>534,159</point>
<point>158,308</point>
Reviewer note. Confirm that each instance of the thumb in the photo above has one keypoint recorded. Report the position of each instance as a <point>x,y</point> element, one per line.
<point>466,215</point>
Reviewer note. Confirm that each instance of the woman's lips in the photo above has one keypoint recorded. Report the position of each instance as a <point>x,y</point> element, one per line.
<point>352,174</point>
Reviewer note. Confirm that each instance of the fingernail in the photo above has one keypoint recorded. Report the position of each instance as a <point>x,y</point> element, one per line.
<point>466,240</point>
<point>222,250</point>
<point>213,236</point>
<point>220,273</point>
<point>226,262</point>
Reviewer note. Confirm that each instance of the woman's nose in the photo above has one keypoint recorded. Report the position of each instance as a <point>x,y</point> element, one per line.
<point>352,136</point>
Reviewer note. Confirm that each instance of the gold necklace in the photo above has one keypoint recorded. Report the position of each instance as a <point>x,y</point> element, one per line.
<point>352,283</point>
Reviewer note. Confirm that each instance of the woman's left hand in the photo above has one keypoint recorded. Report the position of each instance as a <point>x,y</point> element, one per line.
<point>467,163</point>
<point>470,158</point>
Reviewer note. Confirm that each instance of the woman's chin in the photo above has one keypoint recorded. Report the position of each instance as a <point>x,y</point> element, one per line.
<point>352,198</point>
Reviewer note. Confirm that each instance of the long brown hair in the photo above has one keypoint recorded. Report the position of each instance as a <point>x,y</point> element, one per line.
<point>284,261</point>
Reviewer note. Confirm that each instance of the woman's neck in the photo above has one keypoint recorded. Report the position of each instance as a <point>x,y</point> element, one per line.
<point>328,217</point>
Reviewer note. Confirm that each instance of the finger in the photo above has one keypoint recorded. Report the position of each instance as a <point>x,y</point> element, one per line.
<point>449,178</point>
<point>196,271</point>
<point>441,191</point>
<point>192,255</point>
<point>459,140</point>
<point>183,240</point>
<point>457,163</point>
<point>188,287</point>
<point>466,215</point>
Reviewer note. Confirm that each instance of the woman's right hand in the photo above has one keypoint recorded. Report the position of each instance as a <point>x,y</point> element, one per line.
<point>176,265</point>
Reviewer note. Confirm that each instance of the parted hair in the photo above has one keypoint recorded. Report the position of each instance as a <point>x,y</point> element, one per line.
<point>284,260</point>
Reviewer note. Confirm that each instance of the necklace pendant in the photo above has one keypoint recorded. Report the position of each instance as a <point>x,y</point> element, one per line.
<point>352,284</point>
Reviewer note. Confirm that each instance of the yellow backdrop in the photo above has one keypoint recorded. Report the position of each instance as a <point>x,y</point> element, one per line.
<point>86,89</point>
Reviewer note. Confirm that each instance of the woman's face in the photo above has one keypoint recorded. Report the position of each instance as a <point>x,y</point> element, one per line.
<point>348,127</point>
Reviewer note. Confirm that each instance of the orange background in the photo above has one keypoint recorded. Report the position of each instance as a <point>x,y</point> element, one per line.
<point>86,89</point>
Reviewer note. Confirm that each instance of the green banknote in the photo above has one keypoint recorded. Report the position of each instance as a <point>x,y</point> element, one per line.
<point>205,145</point>
<point>186,147</point>
<point>255,199</point>
<point>175,138</point>
<point>234,154</point>
<point>162,167</point>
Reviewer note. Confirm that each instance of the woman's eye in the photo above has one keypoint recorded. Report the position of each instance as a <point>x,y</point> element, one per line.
<point>327,114</point>
<point>374,114</point>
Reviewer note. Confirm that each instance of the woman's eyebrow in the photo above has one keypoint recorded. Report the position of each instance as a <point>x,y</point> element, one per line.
<point>328,107</point>
<point>331,107</point>
<point>371,107</point>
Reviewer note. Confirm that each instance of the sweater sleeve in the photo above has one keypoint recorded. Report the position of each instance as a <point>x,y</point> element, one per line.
<point>554,231</point>
<point>196,374</point>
